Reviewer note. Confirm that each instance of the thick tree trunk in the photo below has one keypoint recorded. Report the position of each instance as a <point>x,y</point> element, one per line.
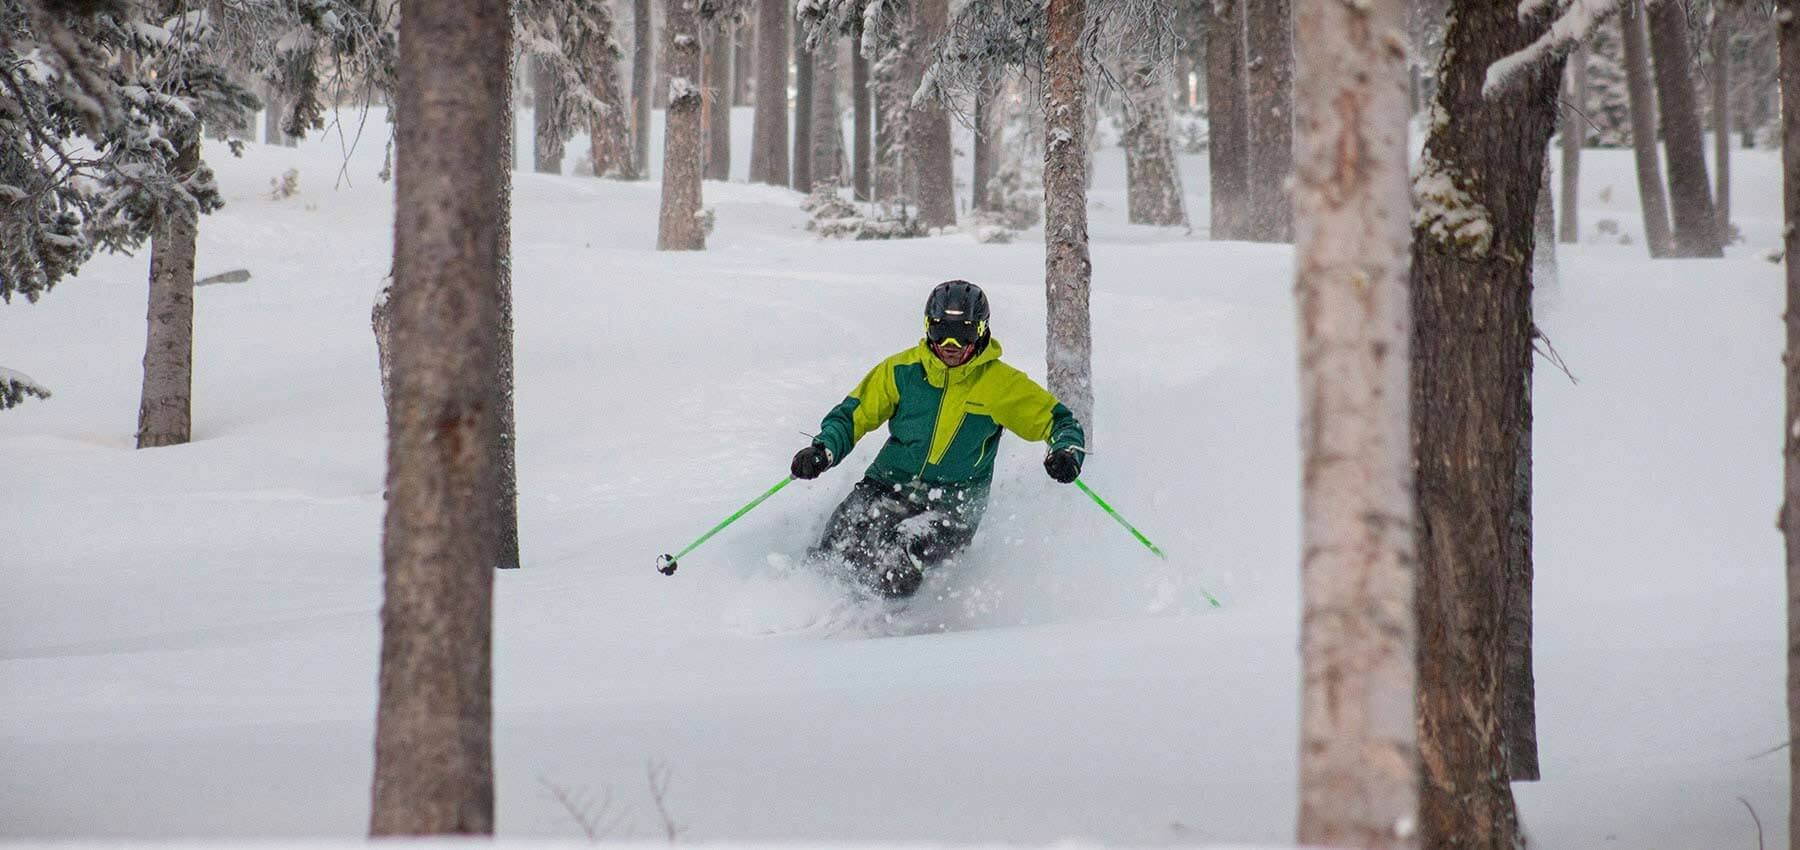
<point>769,125</point>
<point>165,416</point>
<point>1721,121</point>
<point>1574,130</point>
<point>1788,29</point>
<point>860,121</point>
<point>434,770</point>
<point>1152,185</point>
<point>930,161</point>
<point>1359,759</point>
<point>1690,191</point>
<point>641,77</point>
<point>987,136</point>
<point>610,139</point>
<point>547,144</point>
<point>679,227</point>
<point>1518,687</point>
<point>743,49</point>
<point>827,134</point>
<point>1067,270</point>
<point>803,112</point>
<point>1228,148</point>
<point>1269,28</point>
<point>1471,364</point>
<point>718,99</point>
<point>1643,130</point>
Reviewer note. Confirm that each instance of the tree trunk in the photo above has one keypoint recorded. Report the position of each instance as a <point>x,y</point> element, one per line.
<point>1228,148</point>
<point>501,439</point>
<point>1721,121</point>
<point>1690,192</point>
<point>987,135</point>
<point>1067,270</point>
<point>434,768</point>
<point>1359,760</point>
<point>659,68</point>
<point>641,76</point>
<point>609,135</point>
<point>1518,687</point>
<point>1269,28</point>
<point>679,228</point>
<point>931,162</point>
<point>769,126</point>
<point>743,49</point>
<point>1152,185</point>
<point>547,147</point>
<point>1788,27</point>
<point>803,112</point>
<point>827,133</point>
<point>1471,363</point>
<point>860,116</point>
<point>1574,114</point>
<point>718,99</point>
<point>1643,130</point>
<point>165,416</point>
<point>890,149</point>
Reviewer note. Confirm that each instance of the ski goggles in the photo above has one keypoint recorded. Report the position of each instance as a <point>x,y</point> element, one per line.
<point>953,334</point>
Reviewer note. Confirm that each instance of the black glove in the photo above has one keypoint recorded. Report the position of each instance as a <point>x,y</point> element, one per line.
<point>810,461</point>
<point>1064,465</point>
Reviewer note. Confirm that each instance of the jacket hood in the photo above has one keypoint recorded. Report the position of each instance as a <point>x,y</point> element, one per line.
<point>941,376</point>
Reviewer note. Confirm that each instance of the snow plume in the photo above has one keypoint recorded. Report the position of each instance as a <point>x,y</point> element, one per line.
<point>1452,217</point>
<point>1574,25</point>
<point>16,386</point>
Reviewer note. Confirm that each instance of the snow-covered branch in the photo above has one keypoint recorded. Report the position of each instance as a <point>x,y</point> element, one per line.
<point>15,387</point>
<point>1574,25</point>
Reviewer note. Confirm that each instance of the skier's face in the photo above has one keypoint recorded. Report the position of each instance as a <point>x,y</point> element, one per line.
<point>952,353</point>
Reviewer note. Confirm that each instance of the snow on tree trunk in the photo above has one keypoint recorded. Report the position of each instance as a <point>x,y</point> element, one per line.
<point>642,52</point>
<point>547,142</point>
<point>718,99</point>
<point>1153,188</point>
<point>1720,48</point>
<point>1690,191</point>
<point>769,124</point>
<point>1573,131</point>
<point>434,766</point>
<point>1269,30</point>
<point>1477,190</point>
<point>860,122</point>
<point>165,408</point>
<point>1067,270</point>
<point>679,228</point>
<point>1358,752</point>
<point>1788,26</point>
<point>803,112</point>
<point>827,140</point>
<point>1643,131</point>
<point>1228,133</point>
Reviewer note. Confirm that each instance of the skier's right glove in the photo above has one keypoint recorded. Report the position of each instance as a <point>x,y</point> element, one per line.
<point>810,462</point>
<point>1064,465</point>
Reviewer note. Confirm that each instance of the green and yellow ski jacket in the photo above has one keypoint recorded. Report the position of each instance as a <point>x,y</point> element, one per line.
<point>944,423</point>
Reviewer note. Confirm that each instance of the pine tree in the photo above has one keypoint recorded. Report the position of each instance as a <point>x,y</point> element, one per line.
<point>931,163</point>
<point>642,76</point>
<point>803,113</point>
<point>571,43</point>
<point>1719,51</point>
<point>1067,268</point>
<point>547,137</point>
<point>1643,131</point>
<point>680,226</point>
<point>1690,192</point>
<point>434,769</point>
<point>1359,761</point>
<point>1152,183</point>
<point>1572,132</point>
<point>862,117</point>
<point>1228,133</point>
<point>768,148</point>
<point>1788,26</point>
<point>717,87</point>
<point>1270,57</point>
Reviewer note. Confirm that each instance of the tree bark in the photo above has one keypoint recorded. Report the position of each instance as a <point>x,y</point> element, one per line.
<point>1690,192</point>
<point>1788,31</point>
<point>1574,130</point>
<point>718,99</point>
<point>641,76</point>
<point>1067,270</point>
<point>547,143</point>
<point>501,439</point>
<point>1471,362</point>
<point>827,134</point>
<point>1152,186</point>
<point>932,163</point>
<point>679,227</point>
<point>1359,760</point>
<point>434,726</point>
<point>1228,149</point>
<point>803,112</point>
<point>1721,120</point>
<point>769,126</point>
<point>860,121</point>
<point>1643,130</point>
<point>165,408</point>
<point>743,50</point>
<point>1269,31</point>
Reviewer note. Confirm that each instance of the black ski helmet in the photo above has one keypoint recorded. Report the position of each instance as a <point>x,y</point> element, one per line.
<point>957,309</point>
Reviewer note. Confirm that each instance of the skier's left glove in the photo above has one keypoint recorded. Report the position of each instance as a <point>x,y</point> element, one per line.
<point>810,462</point>
<point>1064,465</point>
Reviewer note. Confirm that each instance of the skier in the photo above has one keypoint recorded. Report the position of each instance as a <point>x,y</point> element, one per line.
<point>946,401</point>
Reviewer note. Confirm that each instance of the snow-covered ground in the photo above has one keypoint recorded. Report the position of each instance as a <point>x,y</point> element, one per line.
<point>188,636</point>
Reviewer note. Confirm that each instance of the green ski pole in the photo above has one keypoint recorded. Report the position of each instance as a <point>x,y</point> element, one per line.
<point>667,563</point>
<point>1134,532</point>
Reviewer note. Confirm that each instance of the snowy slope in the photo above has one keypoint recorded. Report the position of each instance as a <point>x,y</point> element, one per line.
<point>188,635</point>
